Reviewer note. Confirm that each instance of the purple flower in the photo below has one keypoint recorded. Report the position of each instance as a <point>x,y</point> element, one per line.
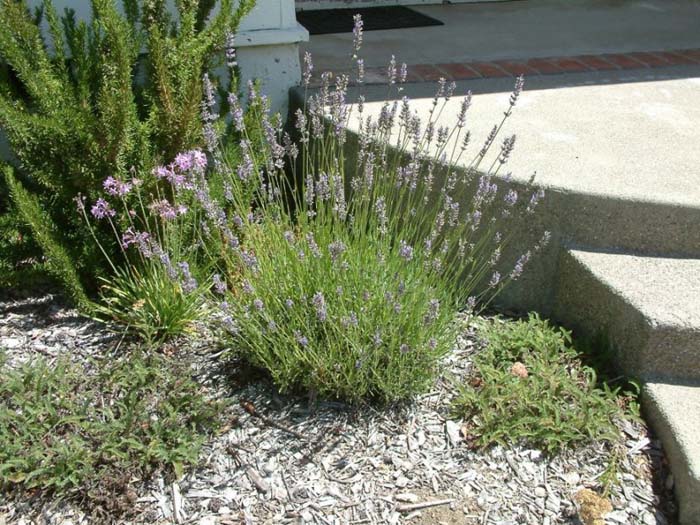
<point>319,303</point>
<point>231,50</point>
<point>229,324</point>
<point>534,200</point>
<point>433,311</point>
<point>511,198</point>
<point>102,209</point>
<point>519,83</point>
<point>336,249</point>
<point>405,250</point>
<point>404,348</point>
<point>432,343</point>
<point>162,172</point>
<point>247,287</point>
<point>289,303</point>
<point>313,247</point>
<point>163,209</point>
<point>323,187</point>
<point>289,236</point>
<point>357,34</point>
<point>302,340</point>
<point>258,304</point>
<point>520,265</point>
<point>350,320</point>
<point>249,260</point>
<point>377,338</point>
<point>219,284</point>
<point>199,159</point>
<point>116,187</point>
<point>391,70</point>
<point>245,168</point>
<point>380,209</point>
<point>130,236</point>
<point>308,68</point>
<point>189,284</point>
<point>495,279</point>
<point>236,112</point>
<point>506,149</point>
<point>183,162</point>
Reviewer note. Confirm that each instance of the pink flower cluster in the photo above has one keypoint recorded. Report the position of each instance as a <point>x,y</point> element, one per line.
<point>167,211</point>
<point>180,172</point>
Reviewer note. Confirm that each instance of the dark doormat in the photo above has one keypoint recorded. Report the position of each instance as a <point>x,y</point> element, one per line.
<point>324,21</point>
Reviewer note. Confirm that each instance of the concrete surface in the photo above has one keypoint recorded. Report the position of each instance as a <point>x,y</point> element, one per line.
<point>647,306</point>
<point>674,411</point>
<point>629,135</point>
<point>527,29</point>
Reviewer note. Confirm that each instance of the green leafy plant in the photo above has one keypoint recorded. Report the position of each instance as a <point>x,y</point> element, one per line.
<point>83,101</point>
<point>85,435</point>
<point>150,302</point>
<point>343,279</point>
<point>529,385</point>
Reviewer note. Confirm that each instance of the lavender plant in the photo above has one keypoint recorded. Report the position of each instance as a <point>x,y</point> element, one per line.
<point>347,261</point>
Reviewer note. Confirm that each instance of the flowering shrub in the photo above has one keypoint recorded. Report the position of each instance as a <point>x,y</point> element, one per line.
<point>153,288</point>
<point>345,283</point>
<point>74,111</point>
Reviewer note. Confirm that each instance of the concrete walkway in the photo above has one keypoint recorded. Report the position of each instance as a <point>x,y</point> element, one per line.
<point>523,29</point>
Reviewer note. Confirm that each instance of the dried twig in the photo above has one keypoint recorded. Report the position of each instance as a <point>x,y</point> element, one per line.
<point>250,408</point>
<point>409,507</point>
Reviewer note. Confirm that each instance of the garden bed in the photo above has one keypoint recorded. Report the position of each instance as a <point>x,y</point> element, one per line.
<point>313,461</point>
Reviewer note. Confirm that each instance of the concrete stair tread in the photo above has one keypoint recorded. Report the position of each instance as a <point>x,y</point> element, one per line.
<point>665,290</point>
<point>649,307</point>
<point>674,412</point>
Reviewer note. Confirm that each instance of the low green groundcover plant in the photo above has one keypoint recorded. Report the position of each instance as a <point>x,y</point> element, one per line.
<point>89,436</point>
<point>529,385</point>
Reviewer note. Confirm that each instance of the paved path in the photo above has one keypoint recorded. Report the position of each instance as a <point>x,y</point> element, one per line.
<point>523,29</point>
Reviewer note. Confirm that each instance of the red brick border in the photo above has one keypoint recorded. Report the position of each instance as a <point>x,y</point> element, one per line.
<point>541,66</point>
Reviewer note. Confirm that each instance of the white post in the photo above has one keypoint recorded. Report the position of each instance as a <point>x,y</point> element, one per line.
<point>268,49</point>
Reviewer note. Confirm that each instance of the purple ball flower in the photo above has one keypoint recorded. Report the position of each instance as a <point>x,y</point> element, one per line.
<point>102,209</point>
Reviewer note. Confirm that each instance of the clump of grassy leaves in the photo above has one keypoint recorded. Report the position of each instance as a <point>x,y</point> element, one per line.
<point>89,439</point>
<point>150,303</point>
<point>530,386</point>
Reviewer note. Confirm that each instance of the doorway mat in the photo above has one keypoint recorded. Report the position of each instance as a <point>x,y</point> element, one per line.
<point>326,21</point>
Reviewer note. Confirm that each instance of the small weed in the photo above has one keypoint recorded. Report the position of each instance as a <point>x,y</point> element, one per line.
<point>530,386</point>
<point>89,438</point>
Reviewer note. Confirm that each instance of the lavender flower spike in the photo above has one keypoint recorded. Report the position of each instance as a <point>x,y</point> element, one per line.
<point>357,35</point>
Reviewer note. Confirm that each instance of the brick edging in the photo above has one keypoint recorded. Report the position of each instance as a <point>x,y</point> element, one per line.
<point>539,66</point>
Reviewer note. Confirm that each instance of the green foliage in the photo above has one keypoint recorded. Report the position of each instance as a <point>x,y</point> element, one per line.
<point>59,261</point>
<point>344,279</point>
<point>81,102</point>
<point>79,433</point>
<point>324,322</point>
<point>530,386</point>
<point>149,302</point>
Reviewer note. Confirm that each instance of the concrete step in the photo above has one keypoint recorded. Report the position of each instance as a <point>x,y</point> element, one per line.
<point>648,307</point>
<point>674,413</point>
